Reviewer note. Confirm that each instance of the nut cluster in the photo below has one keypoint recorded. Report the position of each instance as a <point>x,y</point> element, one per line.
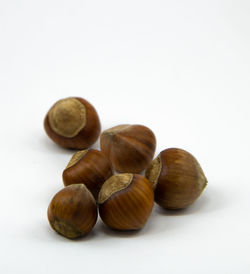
<point>125,200</point>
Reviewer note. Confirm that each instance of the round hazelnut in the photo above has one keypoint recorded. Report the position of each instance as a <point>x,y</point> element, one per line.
<point>90,167</point>
<point>72,123</point>
<point>177,178</point>
<point>73,211</point>
<point>126,201</point>
<point>130,148</point>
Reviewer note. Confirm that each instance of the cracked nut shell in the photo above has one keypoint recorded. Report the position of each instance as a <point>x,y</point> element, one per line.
<point>130,148</point>
<point>72,123</point>
<point>177,178</point>
<point>126,201</point>
<point>90,167</point>
<point>73,211</point>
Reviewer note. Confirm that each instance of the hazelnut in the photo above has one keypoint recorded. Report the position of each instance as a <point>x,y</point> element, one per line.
<point>90,167</point>
<point>130,148</point>
<point>72,123</point>
<point>177,178</point>
<point>73,211</point>
<point>126,201</point>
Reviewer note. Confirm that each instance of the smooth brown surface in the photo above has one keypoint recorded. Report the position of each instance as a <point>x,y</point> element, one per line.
<point>73,211</point>
<point>86,137</point>
<point>181,179</point>
<point>93,169</point>
<point>129,208</point>
<point>130,148</point>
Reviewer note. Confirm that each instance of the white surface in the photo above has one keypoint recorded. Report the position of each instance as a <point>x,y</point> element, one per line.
<point>180,67</point>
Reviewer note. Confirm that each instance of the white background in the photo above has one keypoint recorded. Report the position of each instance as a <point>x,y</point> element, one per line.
<point>179,67</point>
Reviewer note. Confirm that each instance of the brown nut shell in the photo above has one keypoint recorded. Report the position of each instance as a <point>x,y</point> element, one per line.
<point>72,211</point>
<point>177,178</point>
<point>126,201</point>
<point>130,148</point>
<point>90,167</point>
<point>72,123</point>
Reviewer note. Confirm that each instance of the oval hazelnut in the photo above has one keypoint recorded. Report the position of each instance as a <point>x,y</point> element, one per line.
<point>90,167</point>
<point>72,123</point>
<point>126,201</point>
<point>177,178</point>
<point>73,211</point>
<point>130,148</point>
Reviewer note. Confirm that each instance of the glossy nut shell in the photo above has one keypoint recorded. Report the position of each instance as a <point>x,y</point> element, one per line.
<point>130,148</point>
<point>73,211</point>
<point>90,167</point>
<point>126,201</point>
<point>177,178</point>
<point>72,123</point>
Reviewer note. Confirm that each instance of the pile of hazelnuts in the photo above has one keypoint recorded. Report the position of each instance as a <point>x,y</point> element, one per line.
<point>110,180</point>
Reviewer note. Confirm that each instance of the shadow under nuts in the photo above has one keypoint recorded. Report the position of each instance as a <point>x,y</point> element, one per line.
<point>130,148</point>
<point>90,167</point>
<point>177,178</point>
<point>72,123</point>
<point>126,201</point>
<point>73,211</point>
